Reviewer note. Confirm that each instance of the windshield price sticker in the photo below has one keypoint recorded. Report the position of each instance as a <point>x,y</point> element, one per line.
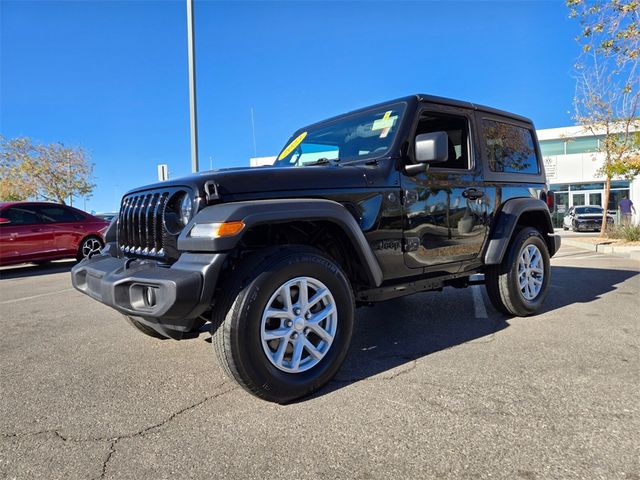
<point>296,141</point>
<point>385,122</point>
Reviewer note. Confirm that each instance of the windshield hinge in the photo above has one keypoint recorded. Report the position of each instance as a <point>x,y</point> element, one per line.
<point>211,190</point>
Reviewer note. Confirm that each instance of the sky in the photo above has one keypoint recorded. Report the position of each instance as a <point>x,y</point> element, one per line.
<point>112,76</point>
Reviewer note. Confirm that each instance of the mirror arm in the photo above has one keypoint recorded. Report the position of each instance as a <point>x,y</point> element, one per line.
<point>415,168</point>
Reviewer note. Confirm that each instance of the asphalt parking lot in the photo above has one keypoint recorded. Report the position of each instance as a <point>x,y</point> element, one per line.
<point>437,385</point>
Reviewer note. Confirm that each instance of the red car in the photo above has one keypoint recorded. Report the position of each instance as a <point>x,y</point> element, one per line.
<point>39,232</point>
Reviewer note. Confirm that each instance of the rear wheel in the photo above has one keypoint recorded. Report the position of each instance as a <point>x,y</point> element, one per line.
<point>89,247</point>
<point>519,285</point>
<point>285,324</point>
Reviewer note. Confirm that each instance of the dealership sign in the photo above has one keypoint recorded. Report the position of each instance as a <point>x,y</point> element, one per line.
<point>550,166</point>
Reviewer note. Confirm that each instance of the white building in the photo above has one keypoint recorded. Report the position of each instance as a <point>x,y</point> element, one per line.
<point>261,161</point>
<point>572,162</point>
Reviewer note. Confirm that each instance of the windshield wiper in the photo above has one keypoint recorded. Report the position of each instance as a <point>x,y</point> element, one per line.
<point>323,161</point>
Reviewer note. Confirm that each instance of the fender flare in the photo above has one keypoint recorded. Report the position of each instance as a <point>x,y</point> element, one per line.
<point>505,225</point>
<point>259,212</point>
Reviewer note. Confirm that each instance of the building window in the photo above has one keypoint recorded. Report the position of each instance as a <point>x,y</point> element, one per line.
<point>510,148</point>
<point>614,198</point>
<point>582,145</point>
<point>552,147</point>
<point>587,186</point>
<point>620,183</point>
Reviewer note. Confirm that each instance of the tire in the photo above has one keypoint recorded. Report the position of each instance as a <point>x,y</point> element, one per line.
<point>565,228</point>
<point>88,247</point>
<point>240,323</point>
<point>141,327</point>
<point>502,281</point>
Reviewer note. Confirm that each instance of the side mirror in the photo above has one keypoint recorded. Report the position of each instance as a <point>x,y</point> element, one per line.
<point>432,147</point>
<point>4,221</point>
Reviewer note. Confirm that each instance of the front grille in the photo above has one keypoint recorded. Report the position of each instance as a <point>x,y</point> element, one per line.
<point>141,229</point>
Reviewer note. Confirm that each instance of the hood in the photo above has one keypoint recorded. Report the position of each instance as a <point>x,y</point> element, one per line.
<point>234,181</point>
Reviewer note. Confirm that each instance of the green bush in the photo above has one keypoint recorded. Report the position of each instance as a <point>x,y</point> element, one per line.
<point>630,233</point>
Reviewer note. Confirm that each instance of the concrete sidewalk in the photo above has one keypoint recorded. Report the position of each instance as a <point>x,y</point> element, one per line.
<point>600,246</point>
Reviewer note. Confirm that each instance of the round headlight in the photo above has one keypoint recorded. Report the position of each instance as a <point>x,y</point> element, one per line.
<point>186,209</point>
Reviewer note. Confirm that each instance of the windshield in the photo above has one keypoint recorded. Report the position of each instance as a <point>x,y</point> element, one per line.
<point>586,210</point>
<point>354,137</point>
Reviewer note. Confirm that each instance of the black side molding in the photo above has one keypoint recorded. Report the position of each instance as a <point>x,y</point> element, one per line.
<point>259,212</point>
<point>505,224</point>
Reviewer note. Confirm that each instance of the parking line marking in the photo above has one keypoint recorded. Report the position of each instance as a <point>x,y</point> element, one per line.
<point>15,300</point>
<point>478,302</point>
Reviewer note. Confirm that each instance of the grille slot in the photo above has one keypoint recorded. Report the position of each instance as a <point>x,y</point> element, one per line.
<point>141,229</point>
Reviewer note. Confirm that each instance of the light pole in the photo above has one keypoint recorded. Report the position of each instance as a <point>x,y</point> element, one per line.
<point>193,117</point>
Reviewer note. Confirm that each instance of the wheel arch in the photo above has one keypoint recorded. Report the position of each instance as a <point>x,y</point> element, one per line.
<point>515,213</point>
<point>307,218</point>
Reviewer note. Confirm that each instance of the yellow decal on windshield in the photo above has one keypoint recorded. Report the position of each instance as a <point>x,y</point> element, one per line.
<point>296,141</point>
<point>386,121</point>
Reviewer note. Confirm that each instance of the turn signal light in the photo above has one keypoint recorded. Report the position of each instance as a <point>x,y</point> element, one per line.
<point>216,230</point>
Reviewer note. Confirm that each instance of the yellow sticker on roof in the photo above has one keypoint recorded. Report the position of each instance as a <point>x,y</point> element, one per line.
<point>386,121</point>
<point>296,141</point>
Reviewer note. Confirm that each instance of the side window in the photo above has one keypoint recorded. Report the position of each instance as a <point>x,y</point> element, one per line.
<point>457,128</point>
<point>510,149</point>
<point>21,215</point>
<point>58,214</point>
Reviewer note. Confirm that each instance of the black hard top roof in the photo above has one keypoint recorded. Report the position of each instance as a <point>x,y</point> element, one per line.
<point>437,100</point>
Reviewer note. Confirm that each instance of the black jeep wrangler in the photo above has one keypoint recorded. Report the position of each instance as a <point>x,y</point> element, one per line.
<point>407,196</point>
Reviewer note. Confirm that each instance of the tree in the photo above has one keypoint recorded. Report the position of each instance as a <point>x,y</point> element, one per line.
<point>607,97</point>
<point>53,172</point>
<point>15,184</point>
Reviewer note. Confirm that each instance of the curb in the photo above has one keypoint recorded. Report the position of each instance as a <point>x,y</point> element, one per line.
<point>620,251</point>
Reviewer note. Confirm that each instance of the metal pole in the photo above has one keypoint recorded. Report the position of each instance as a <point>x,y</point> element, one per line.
<point>253,130</point>
<point>192,87</point>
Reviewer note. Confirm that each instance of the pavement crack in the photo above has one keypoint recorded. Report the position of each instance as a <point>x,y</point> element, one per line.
<point>140,433</point>
<point>112,450</point>
<point>148,429</point>
<point>113,441</point>
<point>33,434</point>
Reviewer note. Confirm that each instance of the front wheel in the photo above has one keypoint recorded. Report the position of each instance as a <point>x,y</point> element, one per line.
<point>150,332</point>
<point>519,285</point>
<point>284,325</point>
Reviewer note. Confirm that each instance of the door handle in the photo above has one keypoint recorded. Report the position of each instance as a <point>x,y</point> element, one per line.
<point>472,193</point>
<point>36,229</point>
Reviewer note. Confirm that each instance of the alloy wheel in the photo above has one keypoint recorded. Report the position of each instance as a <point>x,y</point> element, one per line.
<point>299,324</point>
<point>530,272</point>
<point>91,247</point>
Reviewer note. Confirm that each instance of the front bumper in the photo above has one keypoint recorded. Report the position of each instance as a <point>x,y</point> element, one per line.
<point>591,226</point>
<point>166,298</point>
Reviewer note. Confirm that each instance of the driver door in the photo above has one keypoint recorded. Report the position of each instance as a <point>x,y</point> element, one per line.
<point>445,207</point>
